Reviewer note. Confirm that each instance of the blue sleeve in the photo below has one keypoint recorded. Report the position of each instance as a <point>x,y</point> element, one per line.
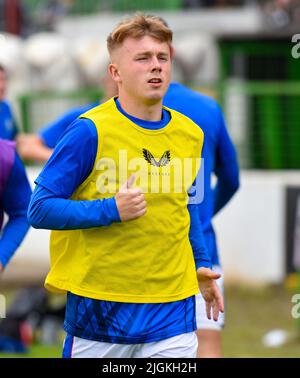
<point>15,199</point>
<point>49,212</point>
<point>197,241</point>
<point>53,132</point>
<point>226,169</point>
<point>70,164</point>
<point>196,237</point>
<point>72,159</point>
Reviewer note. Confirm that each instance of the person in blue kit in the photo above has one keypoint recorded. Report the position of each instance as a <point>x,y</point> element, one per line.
<point>8,126</point>
<point>219,157</point>
<point>15,195</point>
<point>129,326</point>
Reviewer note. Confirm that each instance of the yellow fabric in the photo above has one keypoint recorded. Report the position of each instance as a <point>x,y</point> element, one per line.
<point>146,260</point>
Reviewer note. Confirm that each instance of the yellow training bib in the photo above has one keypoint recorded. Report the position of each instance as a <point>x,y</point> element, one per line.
<point>149,259</point>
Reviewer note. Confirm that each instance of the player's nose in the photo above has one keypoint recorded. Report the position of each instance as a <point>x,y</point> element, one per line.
<point>155,64</point>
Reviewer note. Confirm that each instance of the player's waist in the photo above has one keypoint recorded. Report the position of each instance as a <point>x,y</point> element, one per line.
<point>146,323</point>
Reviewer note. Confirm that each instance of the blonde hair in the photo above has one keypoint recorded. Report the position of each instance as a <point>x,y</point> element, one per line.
<point>138,26</point>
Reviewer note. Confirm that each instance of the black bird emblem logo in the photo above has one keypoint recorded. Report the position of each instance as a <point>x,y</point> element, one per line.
<point>163,161</point>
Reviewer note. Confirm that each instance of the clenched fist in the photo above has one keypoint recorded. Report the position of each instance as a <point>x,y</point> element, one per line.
<point>130,202</point>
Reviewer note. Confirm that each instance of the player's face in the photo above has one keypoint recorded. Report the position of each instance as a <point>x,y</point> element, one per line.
<point>143,68</point>
<point>2,84</point>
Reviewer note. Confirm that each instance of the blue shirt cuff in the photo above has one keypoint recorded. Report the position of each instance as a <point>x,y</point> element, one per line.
<point>111,209</point>
<point>202,264</point>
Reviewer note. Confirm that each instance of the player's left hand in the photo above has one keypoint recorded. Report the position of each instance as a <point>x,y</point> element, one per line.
<point>210,292</point>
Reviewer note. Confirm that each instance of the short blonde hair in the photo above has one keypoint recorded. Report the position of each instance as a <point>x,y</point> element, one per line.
<point>138,26</point>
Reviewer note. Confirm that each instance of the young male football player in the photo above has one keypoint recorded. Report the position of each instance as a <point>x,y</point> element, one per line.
<point>126,253</point>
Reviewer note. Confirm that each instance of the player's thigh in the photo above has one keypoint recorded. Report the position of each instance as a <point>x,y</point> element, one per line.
<point>75,347</point>
<point>181,346</point>
<point>203,322</point>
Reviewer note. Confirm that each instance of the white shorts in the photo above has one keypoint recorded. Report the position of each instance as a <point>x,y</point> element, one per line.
<point>202,321</point>
<point>181,346</point>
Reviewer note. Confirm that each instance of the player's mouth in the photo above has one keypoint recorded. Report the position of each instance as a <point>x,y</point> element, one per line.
<point>155,82</point>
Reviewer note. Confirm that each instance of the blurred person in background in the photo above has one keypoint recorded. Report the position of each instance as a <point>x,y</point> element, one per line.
<point>15,195</point>
<point>8,126</point>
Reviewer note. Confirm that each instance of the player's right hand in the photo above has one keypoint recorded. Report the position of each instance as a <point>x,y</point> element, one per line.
<point>210,291</point>
<point>130,202</point>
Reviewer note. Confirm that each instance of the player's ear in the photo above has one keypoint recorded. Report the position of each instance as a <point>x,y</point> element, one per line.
<point>114,72</point>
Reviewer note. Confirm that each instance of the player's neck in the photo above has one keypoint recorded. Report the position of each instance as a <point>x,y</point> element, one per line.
<point>145,111</point>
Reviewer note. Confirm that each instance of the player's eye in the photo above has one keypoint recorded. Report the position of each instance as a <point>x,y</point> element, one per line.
<point>163,58</point>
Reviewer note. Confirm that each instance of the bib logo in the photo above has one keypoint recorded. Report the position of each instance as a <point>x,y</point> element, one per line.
<point>153,174</point>
<point>164,160</point>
